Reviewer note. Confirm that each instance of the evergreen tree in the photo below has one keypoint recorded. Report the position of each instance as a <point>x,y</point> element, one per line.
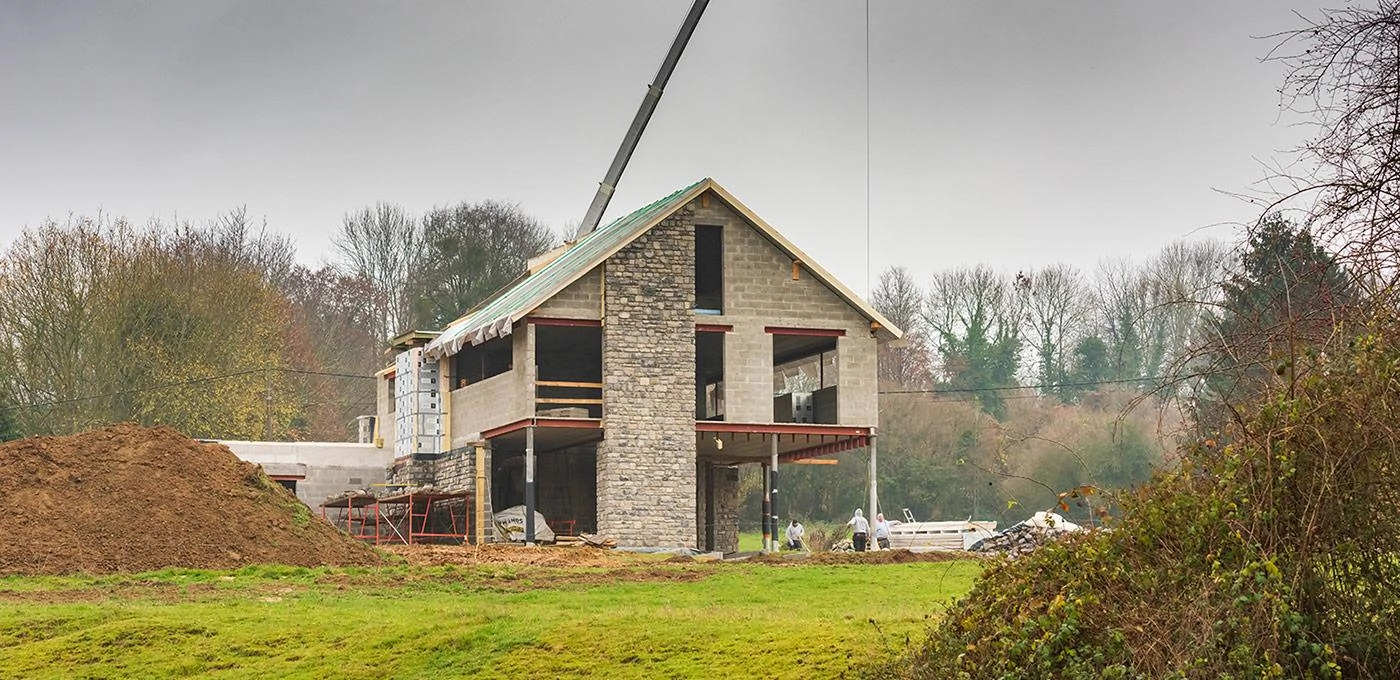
<point>1285,298</point>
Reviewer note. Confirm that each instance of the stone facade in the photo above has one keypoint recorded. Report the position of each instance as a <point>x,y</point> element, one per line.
<point>454,471</point>
<point>651,488</point>
<point>646,460</point>
<point>718,523</point>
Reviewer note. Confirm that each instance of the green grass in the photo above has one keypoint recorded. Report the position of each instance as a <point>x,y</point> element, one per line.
<point>653,620</point>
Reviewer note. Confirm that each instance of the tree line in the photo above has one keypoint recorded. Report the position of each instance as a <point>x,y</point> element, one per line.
<point>216,330</point>
<point>1010,389</point>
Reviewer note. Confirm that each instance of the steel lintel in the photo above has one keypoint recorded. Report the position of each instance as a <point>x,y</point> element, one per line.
<point>721,427</point>
<point>562,423</point>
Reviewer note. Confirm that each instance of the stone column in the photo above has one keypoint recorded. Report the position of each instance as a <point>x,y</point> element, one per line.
<point>646,460</point>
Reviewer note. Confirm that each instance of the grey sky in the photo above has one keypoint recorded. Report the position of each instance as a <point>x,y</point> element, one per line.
<point>1012,133</point>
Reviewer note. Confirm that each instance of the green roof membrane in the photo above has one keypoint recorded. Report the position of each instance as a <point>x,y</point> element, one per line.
<point>495,317</point>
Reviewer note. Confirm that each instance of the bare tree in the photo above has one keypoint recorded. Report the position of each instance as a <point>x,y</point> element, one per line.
<point>1057,302</point>
<point>383,244</point>
<point>905,363</point>
<point>1344,80</point>
<point>974,317</point>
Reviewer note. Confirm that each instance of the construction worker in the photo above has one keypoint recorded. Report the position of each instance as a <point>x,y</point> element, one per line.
<point>882,531</point>
<point>860,530</point>
<point>794,536</point>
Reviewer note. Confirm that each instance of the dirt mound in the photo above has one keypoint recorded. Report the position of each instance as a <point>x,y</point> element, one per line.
<point>515,555</point>
<point>127,498</point>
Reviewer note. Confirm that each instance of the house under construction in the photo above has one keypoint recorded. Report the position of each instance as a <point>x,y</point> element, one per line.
<point>617,386</point>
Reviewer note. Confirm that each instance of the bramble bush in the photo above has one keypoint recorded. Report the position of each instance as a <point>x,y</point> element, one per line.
<point>1275,555</point>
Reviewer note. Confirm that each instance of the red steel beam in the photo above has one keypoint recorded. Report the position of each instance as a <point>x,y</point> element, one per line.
<point>780,428</point>
<point>564,423</point>
<point>824,449</point>
<point>713,327</point>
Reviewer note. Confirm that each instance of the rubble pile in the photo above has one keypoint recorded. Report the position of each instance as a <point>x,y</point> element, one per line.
<point>1024,537</point>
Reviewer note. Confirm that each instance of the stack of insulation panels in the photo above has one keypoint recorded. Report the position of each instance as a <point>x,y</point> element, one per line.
<point>417,405</point>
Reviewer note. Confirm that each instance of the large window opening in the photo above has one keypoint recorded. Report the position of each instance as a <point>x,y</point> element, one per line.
<point>569,371</point>
<point>709,375</point>
<point>566,487</point>
<point>805,379</point>
<point>479,362</point>
<point>709,269</point>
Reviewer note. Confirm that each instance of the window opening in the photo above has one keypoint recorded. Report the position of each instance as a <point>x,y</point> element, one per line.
<point>805,379</point>
<point>569,371</point>
<point>709,269</point>
<point>479,362</point>
<point>709,375</point>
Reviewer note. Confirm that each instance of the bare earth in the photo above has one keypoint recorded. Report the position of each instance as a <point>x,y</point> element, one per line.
<point>127,498</point>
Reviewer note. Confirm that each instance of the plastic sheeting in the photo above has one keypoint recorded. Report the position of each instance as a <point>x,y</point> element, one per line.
<point>511,522</point>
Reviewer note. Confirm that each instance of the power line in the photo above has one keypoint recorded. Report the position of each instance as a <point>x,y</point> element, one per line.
<point>172,385</point>
<point>868,290</point>
<point>965,390</point>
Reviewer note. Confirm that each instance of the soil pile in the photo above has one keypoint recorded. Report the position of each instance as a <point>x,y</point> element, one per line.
<point>515,555</point>
<point>128,498</point>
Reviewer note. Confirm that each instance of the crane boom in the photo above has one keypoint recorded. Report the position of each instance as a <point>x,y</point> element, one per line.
<point>639,123</point>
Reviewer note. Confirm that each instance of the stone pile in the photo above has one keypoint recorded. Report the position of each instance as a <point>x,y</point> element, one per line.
<point>1023,537</point>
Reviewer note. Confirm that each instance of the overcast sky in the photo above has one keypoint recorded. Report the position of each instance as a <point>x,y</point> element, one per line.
<point>1011,133</point>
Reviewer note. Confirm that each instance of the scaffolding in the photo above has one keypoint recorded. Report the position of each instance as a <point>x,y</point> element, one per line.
<point>403,518</point>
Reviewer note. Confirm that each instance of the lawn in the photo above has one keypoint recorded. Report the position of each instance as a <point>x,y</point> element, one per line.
<point>651,618</point>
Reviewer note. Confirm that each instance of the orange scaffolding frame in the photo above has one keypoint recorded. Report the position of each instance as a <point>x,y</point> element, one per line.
<point>412,522</point>
<point>404,518</point>
<point>360,518</point>
<point>427,516</point>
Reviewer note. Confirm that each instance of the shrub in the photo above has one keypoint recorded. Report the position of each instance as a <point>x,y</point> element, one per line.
<point>1277,555</point>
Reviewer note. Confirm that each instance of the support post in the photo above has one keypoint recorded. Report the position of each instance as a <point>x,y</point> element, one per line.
<point>767,519</point>
<point>480,494</point>
<point>874,496</point>
<point>530,485</point>
<point>773,485</point>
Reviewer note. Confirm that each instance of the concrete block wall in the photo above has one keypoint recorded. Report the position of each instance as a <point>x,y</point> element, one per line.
<point>646,460</point>
<point>759,292</point>
<point>384,411</point>
<point>498,400</point>
<point>330,467</point>
<point>582,299</point>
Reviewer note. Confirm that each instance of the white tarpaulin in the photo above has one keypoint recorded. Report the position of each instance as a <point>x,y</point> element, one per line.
<point>511,522</point>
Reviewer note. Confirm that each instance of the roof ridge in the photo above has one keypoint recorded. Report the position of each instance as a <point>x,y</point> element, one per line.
<point>492,317</point>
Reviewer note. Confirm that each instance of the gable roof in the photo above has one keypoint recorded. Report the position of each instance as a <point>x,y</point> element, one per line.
<point>496,315</point>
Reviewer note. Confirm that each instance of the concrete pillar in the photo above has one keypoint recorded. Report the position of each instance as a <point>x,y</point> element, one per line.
<point>775,522</point>
<point>874,495</point>
<point>530,485</point>
<point>767,510</point>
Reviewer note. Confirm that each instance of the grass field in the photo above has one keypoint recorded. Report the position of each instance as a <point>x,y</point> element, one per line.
<point>650,618</point>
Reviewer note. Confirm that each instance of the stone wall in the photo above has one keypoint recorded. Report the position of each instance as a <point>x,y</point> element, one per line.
<point>718,485</point>
<point>646,461</point>
<point>453,471</point>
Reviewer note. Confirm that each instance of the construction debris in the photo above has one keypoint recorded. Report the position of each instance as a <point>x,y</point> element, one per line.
<point>598,541</point>
<point>1024,537</point>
